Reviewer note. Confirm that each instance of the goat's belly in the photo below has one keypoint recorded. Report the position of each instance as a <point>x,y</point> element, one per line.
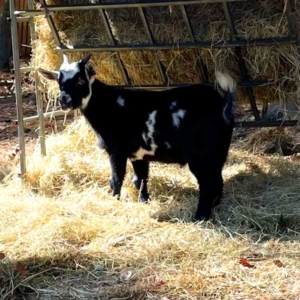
<point>101,144</point>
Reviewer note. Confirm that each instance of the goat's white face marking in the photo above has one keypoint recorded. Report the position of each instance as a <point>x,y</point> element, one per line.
<point>148,135</point>
<point>69,70</point>
<point>121,101</point>
<point>75,82</point>
<point>177,116</point>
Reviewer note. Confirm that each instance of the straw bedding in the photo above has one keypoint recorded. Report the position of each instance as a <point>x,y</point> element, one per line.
<point>253,19</point>
<point>63,236</point>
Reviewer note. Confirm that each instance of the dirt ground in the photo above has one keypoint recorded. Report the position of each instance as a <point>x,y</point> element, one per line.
<point>9,143</point>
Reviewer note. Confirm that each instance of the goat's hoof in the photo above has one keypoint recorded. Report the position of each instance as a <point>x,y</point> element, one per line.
<point>116,195</point>
<point>199,218</point>
<point>144,199</point>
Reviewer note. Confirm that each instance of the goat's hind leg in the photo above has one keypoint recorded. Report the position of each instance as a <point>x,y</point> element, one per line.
<point>140,178</point>
<point>211,188</point>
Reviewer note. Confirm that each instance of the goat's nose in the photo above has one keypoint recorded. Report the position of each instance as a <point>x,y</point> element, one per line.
<point>64,98</point>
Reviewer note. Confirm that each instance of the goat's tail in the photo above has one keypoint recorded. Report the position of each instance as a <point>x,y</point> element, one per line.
<point>228,85</point>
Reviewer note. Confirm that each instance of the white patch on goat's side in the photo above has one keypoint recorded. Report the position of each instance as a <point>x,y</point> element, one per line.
<point>121,101</point>
<point>140,154</point>
<point>149,135</point>
<point>150,124</point>
<point>69,70</point>
<point>85,101</point>
<point>173,105</point>
<point>177,116</point>
<point>144,135</point>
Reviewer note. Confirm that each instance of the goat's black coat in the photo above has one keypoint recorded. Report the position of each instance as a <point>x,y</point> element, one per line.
<point>198,134</point>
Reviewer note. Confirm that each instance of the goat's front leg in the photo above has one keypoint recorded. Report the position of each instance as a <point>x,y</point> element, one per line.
<point>118,170</point>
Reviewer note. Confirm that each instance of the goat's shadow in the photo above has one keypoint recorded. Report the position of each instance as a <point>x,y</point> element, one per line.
<point>256,202</point>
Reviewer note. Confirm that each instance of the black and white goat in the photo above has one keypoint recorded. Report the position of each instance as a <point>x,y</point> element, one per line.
<point>188,125</point>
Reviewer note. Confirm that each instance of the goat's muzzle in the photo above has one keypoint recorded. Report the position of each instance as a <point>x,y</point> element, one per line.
<point>65,101</point>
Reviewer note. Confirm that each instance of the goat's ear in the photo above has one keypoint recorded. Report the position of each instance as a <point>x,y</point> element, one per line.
<point>51,75</point>
<point>65,59</point>
<point>91,70</point>
<point>85,60</point>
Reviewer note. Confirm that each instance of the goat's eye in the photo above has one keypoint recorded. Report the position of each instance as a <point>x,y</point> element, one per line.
<point>80,81</point>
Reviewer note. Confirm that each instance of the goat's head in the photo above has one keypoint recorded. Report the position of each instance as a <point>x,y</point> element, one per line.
<point>75,80</point>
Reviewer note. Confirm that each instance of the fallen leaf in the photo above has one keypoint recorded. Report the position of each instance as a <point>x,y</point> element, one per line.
<point>245,263</point>
<point>160,283</point>
<point>21,268</point>
<point>278,263</point>
<point>210,295</point>
<point>2,255</point>
<point>125,276</point>
<point>217,275</point>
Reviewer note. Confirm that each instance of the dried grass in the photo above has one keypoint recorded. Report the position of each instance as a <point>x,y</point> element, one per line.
<point>64,236</point>
<point>282,141</point>
<point>253,19</point>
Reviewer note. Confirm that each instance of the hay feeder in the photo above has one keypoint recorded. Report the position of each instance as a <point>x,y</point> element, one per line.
<point>158,44</point>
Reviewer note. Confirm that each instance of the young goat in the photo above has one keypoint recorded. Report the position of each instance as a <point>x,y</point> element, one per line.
<point>188,125</point>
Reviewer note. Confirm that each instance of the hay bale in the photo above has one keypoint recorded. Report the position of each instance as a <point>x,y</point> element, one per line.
<point>282,141</point>
<point>266,19</point>
<point>253,19</point>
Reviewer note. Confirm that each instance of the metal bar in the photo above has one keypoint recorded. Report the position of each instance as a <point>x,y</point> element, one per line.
<point>186,45</point>
<point>52,26</point>
<point>290,13</point>
<point>151,40</point>
<point>200,63</point>
<point>45,115</point>
<point>243,124</point>
<point>241,84</point>
<point>264,109</point>
<point>113,42</point>
<point>255,124</point>
<point>39,106</point>
<point>144,3</point>
<point>31,13</point>
<point>241,62</point>
<point>23,19</point>
<point>18,87</point>
<point>39,102</point>
<point>23,70</point>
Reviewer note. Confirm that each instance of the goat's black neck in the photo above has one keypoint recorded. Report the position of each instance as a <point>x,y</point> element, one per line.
<point>102,101</point>
<point>100,88</point>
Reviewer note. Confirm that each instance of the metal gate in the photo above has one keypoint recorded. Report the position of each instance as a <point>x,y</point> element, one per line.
<point>234,42</point>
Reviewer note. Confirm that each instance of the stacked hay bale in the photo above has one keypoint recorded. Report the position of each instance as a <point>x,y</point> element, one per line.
<point>253,19</point>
